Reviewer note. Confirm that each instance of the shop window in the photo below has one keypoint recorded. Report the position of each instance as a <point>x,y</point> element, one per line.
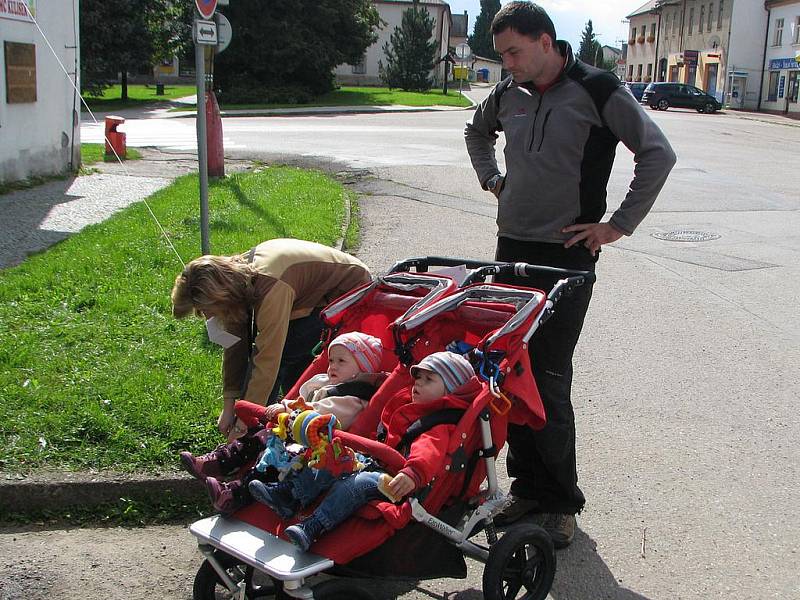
<point>772,93</point>
<point>777,39</point>
<point>719,13</point>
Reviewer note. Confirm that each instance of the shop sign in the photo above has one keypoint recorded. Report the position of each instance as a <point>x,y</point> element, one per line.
<point>16,9</point>
<point>781,86</point>
<point>690,57</point>
<point>783,63</point>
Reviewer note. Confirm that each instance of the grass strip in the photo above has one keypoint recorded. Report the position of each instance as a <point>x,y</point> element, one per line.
<point>94,371</point>
<point>138,95</point>
<point>363,96</point>
<point>94,153</point>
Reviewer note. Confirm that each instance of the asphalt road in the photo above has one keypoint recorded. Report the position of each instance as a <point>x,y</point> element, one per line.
<point>686,376</point>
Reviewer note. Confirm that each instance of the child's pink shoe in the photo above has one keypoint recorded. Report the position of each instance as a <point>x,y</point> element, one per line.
<point>225,497</point>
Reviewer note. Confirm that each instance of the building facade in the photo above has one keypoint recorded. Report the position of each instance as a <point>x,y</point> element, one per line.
<point>391,13</point>
<point>39,107</point>
<point>779,91</point>
<point>716,46</point>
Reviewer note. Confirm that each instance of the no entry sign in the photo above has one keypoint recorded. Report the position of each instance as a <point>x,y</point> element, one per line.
<point>206,8</point>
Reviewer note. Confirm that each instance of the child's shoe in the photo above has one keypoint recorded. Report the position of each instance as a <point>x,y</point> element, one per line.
<point>305,533</point>
<point>223,460</point>
<point>278,496</point>
<point>225,497</point>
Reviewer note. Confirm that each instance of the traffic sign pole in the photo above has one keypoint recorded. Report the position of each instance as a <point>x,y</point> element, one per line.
<point>202,149</point>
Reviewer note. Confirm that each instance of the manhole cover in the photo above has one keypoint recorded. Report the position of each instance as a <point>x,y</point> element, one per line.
<point>686,236</point>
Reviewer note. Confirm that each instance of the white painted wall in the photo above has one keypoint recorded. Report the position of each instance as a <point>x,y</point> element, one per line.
<point>641,53</point>
<point>746,51</point>
<point>392,14</point>
<point>787,49</point>
<point>42,137</point>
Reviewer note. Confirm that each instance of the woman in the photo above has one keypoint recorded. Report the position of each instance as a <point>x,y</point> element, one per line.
<point>269,298</point>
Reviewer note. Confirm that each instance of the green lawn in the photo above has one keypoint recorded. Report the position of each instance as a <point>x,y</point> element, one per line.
<point>94,153</point>
<point>366,96</point>
<point>94,371</point>
<point>137,96</point>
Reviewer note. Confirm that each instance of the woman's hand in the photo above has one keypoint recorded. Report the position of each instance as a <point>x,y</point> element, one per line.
<point>227,418</point>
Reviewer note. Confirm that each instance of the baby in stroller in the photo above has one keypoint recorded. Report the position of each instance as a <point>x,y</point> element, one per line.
<point>442,380</point>
<point>352,377</point>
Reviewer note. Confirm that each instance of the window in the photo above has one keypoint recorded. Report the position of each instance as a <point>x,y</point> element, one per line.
<point>777,39</point>
<point>639,73</point>
<point>650,71</point>
<point>701,19</point>
<point>674,23</point>
<point>710,16</point>
<point>630,72</point>
<point>653,31</point>
<point>719,14</point>
<point>691,20</point>
<point>772,94</point>
<point>796,37</point>
<point>361,67</point>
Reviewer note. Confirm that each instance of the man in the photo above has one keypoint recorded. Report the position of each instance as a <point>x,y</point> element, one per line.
<point>562,120</point>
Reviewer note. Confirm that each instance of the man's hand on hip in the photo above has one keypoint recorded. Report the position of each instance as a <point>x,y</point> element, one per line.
<point>593,235</point>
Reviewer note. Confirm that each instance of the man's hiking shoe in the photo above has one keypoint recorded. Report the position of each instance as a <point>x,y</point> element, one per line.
<point>515,510</point>
<point>225,497</point>
<point>305,533</point>
<point>560,528</point>
<point>278,496</point>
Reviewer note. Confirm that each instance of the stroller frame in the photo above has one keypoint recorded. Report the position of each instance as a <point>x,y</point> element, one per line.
<point>285,562</point>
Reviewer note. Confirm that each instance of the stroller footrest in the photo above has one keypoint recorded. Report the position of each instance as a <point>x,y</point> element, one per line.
<point>258,548</point>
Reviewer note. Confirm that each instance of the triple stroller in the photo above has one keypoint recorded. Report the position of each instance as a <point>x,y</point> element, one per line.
<point>416,313</point>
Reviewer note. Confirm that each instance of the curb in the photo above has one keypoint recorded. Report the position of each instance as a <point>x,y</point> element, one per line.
<point>60,491</point>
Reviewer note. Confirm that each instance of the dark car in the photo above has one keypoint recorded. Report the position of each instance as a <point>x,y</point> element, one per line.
<point>663,95</point>
<point>637,89</point>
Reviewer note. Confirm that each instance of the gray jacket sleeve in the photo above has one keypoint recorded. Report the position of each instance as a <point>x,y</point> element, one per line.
<point>481,135</point>
<point>652,154</point>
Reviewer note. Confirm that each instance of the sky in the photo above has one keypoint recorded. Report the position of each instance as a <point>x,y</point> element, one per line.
<point>570,16</point>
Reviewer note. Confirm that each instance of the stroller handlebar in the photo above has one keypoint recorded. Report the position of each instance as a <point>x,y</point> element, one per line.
<point>482,269</point>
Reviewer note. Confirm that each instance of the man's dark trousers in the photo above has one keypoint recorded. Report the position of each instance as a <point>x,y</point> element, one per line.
<point>543,463</point>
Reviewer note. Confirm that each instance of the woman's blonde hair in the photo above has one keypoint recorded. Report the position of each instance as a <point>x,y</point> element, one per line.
<point>223,284</point>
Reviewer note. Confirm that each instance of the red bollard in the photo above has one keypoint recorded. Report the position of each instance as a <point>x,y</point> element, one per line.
<point>216,153</point>
<point>114,138</point>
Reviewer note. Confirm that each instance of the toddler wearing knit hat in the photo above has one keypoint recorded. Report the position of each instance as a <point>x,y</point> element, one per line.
<point>439,374</point>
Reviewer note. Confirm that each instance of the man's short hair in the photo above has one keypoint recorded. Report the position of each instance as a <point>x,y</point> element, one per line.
<point>525,18</point>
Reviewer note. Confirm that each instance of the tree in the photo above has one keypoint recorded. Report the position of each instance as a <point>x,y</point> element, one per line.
<point>590,50</point>
<point>285,50</point>
<point>120,36</point>
<point>481,42</point>
<point>411,56</point>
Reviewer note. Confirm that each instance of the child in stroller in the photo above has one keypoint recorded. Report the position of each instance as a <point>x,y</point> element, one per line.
<point>441,380</point>
<point>353,375</point>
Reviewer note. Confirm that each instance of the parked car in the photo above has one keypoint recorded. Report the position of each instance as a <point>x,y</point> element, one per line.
<point>637,89</point>
<point>662,95</point>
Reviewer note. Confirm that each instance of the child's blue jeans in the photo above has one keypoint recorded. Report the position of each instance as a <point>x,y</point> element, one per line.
<point>346,496</point>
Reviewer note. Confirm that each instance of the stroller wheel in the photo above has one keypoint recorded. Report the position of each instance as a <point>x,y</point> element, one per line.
<point>209,586</point>
<point>521,565</point>
<point>340,589</point>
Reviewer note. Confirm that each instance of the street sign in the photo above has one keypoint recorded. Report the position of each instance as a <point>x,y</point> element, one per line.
<point>463,51</point>
<point>224,32</point>
<point>205,33</point>
<point>206,8</point>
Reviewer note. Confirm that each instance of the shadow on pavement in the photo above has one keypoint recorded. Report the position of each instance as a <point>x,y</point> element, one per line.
<point>582,573</point>
<point>24,212</point>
